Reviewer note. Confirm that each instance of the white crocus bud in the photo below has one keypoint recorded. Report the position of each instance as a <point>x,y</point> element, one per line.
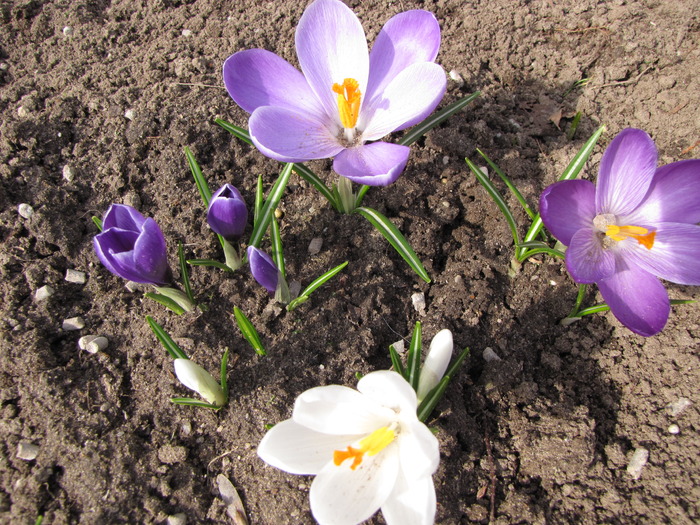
<point>196,378</point>
<point>436,363</point>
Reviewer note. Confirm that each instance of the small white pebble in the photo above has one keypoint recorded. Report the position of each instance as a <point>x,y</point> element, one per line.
<point>68,31</point>
<point>129,114</point>
<point>418,300</point>
<point>186,32</point>
<point>75,276</point>
<point>134,287</point>
<point>22,112</point>
<point>186,428</point>
<point>97,345</point>
<point>177,519</point>
<point>72,324</point>
<point>489,355</point>
<point>552,282</point>
<point>84,341</point>
<point>678,407</point>
<point>674,429</point>
<point>294,288</point>
<point>43,293</point>
<point>446,160</point>
<point>68,173</point>
<point>636,464</point>
<point>25,210</point>
<point>399,346</point>
<point>3,66</point>
<point>315,245</point>
<point>454,75</point>
<point>27,451</point>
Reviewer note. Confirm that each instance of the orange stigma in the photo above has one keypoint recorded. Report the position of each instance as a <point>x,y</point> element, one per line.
<point>640,234</point>
<point>371,445</point>
<point>349,98</point>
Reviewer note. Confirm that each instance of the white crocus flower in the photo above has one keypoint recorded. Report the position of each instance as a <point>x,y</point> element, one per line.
<point>196,378</point>
<point>366,447</point>
<point>436,363</point>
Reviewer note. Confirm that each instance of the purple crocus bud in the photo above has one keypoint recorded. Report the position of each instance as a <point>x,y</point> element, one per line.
<point>227,213</point>
<point>132,246</point>
<point>263,269</point>
<point>639,224</point>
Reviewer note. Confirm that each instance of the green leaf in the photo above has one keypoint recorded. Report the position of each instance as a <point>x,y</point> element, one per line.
<point>508,183</point>
<point>193,403</point>
<point>395,238</point>
<point>313,179</point>
<point>259,197</point>
<point>98,222</point>
<point>436,118</point>
<point>428,404</point>
<point>224,374</point>
<point>249,331</point>
<point>277,252</point>
<point>208,262</point>
<point>270,205</point>
<point>574,126</point>
<point>315,284</point>
<point>235,130</point>
<point>183,270</point>
<point>396,362</point>
<point>170,346</point>
<point>166,301</point>
<point>361,195</point>
<point>498,199</point>
<point>199,179</point>
<point>414,356</point>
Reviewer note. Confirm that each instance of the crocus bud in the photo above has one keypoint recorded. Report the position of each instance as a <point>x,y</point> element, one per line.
<point>267,274</point>
<point>132,246</point>
<point>227,214</point>
<point>435,363</point>
<point>196,378</point>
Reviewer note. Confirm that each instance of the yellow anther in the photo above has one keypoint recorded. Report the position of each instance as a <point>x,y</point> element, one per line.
<point>349,98</point>
<point>371,445</point>
<point>642,235</point>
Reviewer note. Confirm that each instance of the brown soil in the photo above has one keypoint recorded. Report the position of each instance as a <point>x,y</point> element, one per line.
<point>551,427</point>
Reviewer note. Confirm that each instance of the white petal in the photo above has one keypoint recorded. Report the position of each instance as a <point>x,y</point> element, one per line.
<point>411,503</point>
<point>419,449</point>
<point>338,409</point>
<point>196,378</point>
<point>296,449</point>
<point>340,495</point>
<point>389,389</point>
<point>435,363</point>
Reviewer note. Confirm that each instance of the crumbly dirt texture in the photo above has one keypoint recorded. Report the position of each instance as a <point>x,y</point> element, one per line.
<point>98,100</point>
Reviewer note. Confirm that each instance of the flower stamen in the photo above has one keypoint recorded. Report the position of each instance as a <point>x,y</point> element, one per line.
<point>371,445</point>
<point>642,235</point>
<point>349,98</point>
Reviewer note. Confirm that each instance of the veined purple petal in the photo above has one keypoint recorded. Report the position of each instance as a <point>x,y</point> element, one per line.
<point>124,217</point>
<point>289,136</point>
<point>114,249</point>
<point>626,171</point>
<point>227,213</point>
<point>586,260</point>
<point>376,164</point>
<point>150,253</point>
<point>674,256</point>
<point>408,38</point>
<point>263,269</point>
<point>637,299</point>
<point>331,46</point>
<point>255,78</point>
<point>567,206</point>
<point>410,97</point>
<point>673,195</point>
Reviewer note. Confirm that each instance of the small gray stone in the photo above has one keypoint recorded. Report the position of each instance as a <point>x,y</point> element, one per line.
<point>315,245</point>
<point>27,451</point>
<point>418,300</point>
<point>68,31</point>
<point>73,323</point>
<point>636,464</point>
<point>674,429</point>
<point>84,341</point>
<point>97,344</point>
<point>186,32</point>
<point>75,276</point>
<point>68,173</point>
<point>454,75</point>
<point>43,293</point>
<point>177,519</point>
<point>25,210</point>
<point>678,407</point>
<point>489,355</point>
<point>129,114</point>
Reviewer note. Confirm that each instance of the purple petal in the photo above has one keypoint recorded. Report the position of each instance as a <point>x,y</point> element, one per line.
<point>288,136</point>
<point>408,38</point>
<point>376,164</point>
<point>637,299</point>
<point>626,171</point>
<point>255,78</point>
<point>150,254</point>
<point>410,97</point>
<point>124,217</point>
<point>586,260</point>
<point>114,248</point>
<point>674,256</point>
<point>568,206</point>
<point>263,269</point>
<point>227,213</point>
<point>331,47</point>
<point>672,197</point>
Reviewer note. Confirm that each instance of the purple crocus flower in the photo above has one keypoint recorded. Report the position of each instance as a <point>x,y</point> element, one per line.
<point>263,269</point>
<point>227,213</point>
<point>132,246</point>
<point>345,96</point>
<point>637,225</point>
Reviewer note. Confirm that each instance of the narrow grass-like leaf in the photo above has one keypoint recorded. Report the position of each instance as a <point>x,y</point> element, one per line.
<point>396,362</point>
<point>508,183</point>
<point>436,118</point>
<point>414,356</point>
<point>183,271</point>
<point>574,126</point>
<point>276,239</point>
<point>199,179</point>
<point>193,403</point>
<point>223,380</point>
<point>496,196</point>
<point>313,179</point>
<point>361,195</point>
<point>98,222</point>
<point>249,331</point>
<point>315,284</point>
<point>166,301</point>
<point>236,131</point>
<point>579,300</point>
<point>603,307</point>
<point>259,198</point>
<point>428,404</point>
<point>542,249</point>
<point>395,238</point>
<point>170,346</point>
<point>271,203</point>
<point>208,262</point>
